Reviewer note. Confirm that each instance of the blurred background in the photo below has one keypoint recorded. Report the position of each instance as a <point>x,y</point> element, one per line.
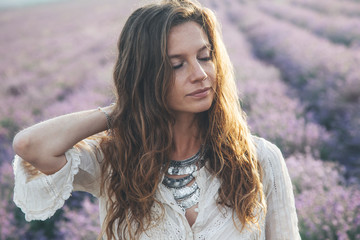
<point>297,65</point>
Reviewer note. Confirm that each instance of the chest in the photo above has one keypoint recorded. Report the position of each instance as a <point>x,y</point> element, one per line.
<point>191,214</point>
<point>209,223</point>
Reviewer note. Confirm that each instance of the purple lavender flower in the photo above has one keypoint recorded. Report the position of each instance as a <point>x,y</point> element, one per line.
<point>81,224</point>
<point>327,208</point>
<point>338,29</point>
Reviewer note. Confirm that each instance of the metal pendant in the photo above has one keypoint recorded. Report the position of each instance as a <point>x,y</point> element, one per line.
<point>182,170</point>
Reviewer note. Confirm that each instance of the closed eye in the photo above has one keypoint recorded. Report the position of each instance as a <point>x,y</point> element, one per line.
<point>205,59</point>
<point>178,66</point>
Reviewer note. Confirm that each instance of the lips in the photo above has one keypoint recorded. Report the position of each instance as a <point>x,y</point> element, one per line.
<point>200,92</point>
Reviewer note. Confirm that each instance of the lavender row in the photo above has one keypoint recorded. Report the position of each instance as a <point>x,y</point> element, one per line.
<point>58,62</point>
<point>51,56</point>
<point>331,7</point>
<point>324,75</point>
<point>338,29</point>
<point>327,206</point>
<point>326,209</point>
<point>272,112</point>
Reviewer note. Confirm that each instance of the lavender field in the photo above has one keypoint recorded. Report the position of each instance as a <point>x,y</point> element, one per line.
<point>297,65</point>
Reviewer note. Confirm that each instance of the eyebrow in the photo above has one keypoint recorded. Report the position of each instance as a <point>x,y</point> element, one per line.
<point>206,46</point>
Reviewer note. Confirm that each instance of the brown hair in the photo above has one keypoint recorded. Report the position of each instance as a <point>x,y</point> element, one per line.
<point>141,138</point>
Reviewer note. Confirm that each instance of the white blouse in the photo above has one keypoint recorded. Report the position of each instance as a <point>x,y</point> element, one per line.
<point>41,195</point>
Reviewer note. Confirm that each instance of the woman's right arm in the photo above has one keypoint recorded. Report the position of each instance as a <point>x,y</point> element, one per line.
<point>44,144</point>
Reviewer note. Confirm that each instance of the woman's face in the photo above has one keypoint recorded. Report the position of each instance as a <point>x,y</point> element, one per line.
<point>194,69</point>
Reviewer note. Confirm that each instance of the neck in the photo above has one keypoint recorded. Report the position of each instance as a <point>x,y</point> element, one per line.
<point>186,137</point>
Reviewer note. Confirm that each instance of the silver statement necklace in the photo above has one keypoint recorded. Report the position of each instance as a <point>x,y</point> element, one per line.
<point>185,196</point>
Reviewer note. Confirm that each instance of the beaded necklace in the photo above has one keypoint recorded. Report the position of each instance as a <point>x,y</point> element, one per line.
<point>185,196</point>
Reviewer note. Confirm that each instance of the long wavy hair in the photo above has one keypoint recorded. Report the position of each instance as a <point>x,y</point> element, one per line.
<point>141,138</point>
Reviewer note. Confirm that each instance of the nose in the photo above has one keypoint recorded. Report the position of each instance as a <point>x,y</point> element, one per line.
<point>197,72</point>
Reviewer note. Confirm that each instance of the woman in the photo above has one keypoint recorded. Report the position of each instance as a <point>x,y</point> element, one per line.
<point>178,160</point>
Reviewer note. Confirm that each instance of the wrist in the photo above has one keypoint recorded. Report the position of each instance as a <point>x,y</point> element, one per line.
<point>109,109</point>
<point>107,112</point>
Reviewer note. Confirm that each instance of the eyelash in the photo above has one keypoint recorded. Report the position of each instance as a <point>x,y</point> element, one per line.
<point>205,59</point>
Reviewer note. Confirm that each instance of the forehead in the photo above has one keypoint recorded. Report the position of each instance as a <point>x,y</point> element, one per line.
<point>186,37</point>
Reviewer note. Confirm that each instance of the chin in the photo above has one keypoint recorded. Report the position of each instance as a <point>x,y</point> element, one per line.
<point>204,107</point>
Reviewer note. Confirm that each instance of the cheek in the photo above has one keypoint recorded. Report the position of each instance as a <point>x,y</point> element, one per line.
<point>211,70</point>
<point>173,93</point>
<point>178,84</point>
<point>212,75</point>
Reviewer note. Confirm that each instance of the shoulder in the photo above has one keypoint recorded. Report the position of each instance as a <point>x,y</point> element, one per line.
<point>266,151</point>
<point>272,163</point>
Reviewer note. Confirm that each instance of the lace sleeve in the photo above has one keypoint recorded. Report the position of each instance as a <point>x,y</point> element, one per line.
<point>281,219</point>
<point>39,196</point>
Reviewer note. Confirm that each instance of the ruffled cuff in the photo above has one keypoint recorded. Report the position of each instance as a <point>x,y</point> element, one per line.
<point>39,197</point>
